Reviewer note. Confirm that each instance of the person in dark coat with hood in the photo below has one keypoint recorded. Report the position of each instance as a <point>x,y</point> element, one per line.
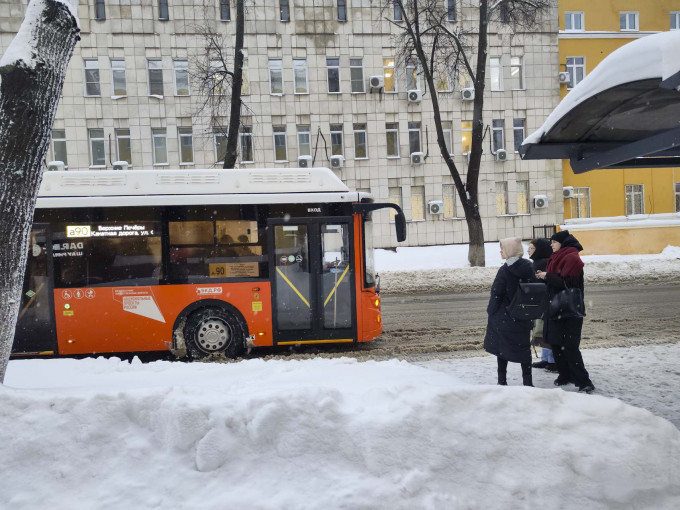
<point>508,338</point>
<point>565,267</point>
<point>539,252</point>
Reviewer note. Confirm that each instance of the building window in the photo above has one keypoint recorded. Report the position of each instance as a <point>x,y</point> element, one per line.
<point>497,126</point>
<point>216,76</point>
<point>466,138</point>
<point>99,10</point>
<point>573,21</point>
<point>284,10</point>
<point>280,146</point>
<point>442,80</point>
<point>92,85</point>
<point>412,82</point>
<point>449,198</point>
<point>246,139</point>
<point>522,197</point>
<point>181,77</point>
<point>118,81</point>
<point>304,141</point>
<point>504,13</point>
<point>220,146</point>
<point>245,80</point>
<point>276,76</point>
<point>398,15</point>
<point>124,152</point>
<point>342,10</point>
<point>392,139</point>
<point>59,146</point>
<point>414,137</point>
<point>464,79</point>
<point>496,74</point>
<point>394,191</point>
<point>97,147</point>
<point>677,195</point>
<point>417,203</point>
<point>518,132</point>
<point>360,141</point>
<point>580,204</point>
<point>333,65</point>
<point>225,10</point>
<point>628,21</point>
<point>451,10</point>
<point>501,198</point>
<point>160,146</point>
<point>356,73</point>
<point>675,20</point>
<point>447,128</point>
<point>576,67</point>
<point>337,147</point>
<point>635,199</point>
<point>186,145</point>
<point>155,71</point>
<point>300,76</point>
<point>163,13</point>
<point>517,73</point>
<point>388,75</point>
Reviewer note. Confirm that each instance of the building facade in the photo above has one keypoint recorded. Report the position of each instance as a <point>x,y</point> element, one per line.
<point>130,96</point>
<point>589,31</point>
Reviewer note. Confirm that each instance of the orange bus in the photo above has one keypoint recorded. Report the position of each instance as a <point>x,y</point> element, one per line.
<point>198,262</point>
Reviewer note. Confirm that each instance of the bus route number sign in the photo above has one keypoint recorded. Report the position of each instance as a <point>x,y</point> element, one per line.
<point>78,231</point>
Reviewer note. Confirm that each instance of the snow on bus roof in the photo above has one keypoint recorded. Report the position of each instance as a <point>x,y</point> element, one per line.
<point>190,182</point>
<point>653,56</point>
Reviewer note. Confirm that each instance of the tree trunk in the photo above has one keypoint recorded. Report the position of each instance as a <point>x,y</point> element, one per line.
<point>29,95</point>
<point>236,84</point>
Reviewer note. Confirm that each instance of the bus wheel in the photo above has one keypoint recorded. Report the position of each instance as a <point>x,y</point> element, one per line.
<point>214,331</point>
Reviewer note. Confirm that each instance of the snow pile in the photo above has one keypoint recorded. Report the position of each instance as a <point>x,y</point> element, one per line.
<point>445,268</point>
<point>106,434</point>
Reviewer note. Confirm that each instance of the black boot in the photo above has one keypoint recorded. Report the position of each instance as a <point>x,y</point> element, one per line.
<point>526,374</point>
<point>502,371</point>
<point>502,378</point>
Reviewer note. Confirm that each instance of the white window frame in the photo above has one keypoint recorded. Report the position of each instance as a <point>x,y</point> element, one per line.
<point>304,140</point>
<point>158,134</point>
<point>118,74</point>
<point>245,83</point>
<point>92,65</point>
<point>329,67</point>
<point>357,131</point>
<point>92,140</point>
<point>154,65</point>
<point>390,68</point>
<point>279,133</point>
<point>569,21</point>
<point>398,15</point>
<point>181,67</point>
<point>522,201</point>
<point>517,68</point>
<point>415,137</point>
<point>572,67</point>
<point>449,198</point>
<point>335,133</point>
<point>300,76</point>
<point>501,192</point>
<point>675,20</point>
<point>275,67</point>
<point>464,131</point>
<point>497,130</point>
<point>411,76</point>
<point>353,70</point>
<point>496,82</point>
<point>392,127</point>
<point>245,137</point>
<point>627,16</point>
<point>120,136</point>
<point>219,138</point>
<point>225,10</point>
<point>580,195</point>
<point>632,192</point>
<point>61,141</point>
<point>447,128</point>
<point>395,196</point>
<point>418,202</point>
<point>184,133</point>
<point>443,77</point>
<point>521,130</point>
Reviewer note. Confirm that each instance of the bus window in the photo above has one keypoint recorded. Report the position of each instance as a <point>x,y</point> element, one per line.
<point>336,277</point>
<point>369,261</point>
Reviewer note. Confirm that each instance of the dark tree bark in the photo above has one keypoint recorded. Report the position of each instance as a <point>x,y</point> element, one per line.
<point>236,84</point>
<point>32,73</point>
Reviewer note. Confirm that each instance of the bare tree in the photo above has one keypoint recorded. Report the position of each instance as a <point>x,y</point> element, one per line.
<point>218,74</point>
<point>426,35</point>
<point>32,73</point>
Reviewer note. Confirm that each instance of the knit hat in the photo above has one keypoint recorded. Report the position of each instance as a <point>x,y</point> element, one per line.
<point>512,247</point>
<point>560,236</point>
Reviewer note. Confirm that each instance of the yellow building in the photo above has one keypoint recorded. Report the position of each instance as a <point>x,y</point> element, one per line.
<point>589,31</point>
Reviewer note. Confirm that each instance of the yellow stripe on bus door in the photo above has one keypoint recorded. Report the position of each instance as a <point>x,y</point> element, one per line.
<point>278,270</point>
<point>335,287</point>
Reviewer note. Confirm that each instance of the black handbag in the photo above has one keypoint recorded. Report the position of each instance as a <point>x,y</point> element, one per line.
<point>567,303</point>
<point>529,302</point>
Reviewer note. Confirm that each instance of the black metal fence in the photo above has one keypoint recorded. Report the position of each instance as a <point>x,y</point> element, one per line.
<point>544,231</point>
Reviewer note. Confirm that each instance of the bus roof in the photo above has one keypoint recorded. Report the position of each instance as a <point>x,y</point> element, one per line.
<point>178,187</point>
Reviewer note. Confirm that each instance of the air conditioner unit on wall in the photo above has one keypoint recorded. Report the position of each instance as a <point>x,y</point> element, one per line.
<point>568,192</point>
<point>337,161</point>
<point>501,155</point>
<point>376,82</point>
<point>305,161</point>
<point>563,77</point>
<point>540,201</point>
<point>54,166</point>
<point>120,165</point>
<point>468,94</point>
<point>415,96</point>
<point>417,158</point>
<point>436,207</point>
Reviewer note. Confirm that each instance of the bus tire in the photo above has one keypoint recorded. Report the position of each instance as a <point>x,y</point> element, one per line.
<point>214,331</point>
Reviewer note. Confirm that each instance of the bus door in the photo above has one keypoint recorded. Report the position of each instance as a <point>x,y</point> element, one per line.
<point>35,331</point>
<point>313,292</point>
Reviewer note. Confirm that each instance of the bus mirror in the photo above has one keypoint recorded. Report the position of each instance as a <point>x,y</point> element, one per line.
<point>399,218</point>
<point>400,225</point>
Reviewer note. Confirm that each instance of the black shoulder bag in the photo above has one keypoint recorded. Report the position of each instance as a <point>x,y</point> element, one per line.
<point>567,303</point>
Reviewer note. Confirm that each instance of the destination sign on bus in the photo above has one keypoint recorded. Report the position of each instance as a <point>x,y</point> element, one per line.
<point>124,230</point>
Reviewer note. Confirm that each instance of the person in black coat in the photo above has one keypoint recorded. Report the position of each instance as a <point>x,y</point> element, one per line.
<point>539,251</point>
<point>508,338</point>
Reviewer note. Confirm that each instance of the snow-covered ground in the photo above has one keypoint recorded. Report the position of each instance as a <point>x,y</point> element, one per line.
<point>337,433</point>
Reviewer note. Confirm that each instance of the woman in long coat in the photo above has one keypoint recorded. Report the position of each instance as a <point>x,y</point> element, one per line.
<point>539,251</point>
<point>508,338</point>
<point>565,267</point>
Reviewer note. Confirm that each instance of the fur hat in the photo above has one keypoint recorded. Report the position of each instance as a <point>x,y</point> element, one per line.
<point>560,236</point>
<point>512,247</point>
